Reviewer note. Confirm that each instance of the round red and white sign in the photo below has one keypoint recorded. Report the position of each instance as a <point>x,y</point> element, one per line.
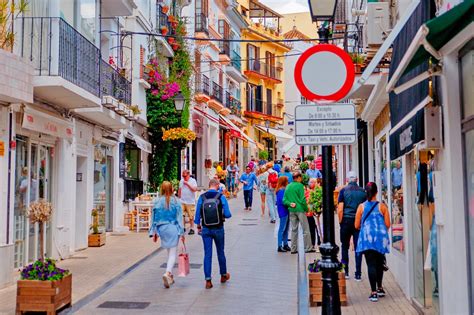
<point>324,72</point>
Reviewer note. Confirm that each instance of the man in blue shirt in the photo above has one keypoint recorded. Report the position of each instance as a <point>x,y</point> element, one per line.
<point>249,179</point>
<point>312,172</point>
<point>214,233</point>
<point>397,176</point>
<point>286,172</point>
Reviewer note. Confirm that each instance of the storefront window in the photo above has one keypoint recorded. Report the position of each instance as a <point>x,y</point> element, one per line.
<point>383,164</point>
<point>397,206</point>
<point>132,160</point>
<point>101,184</point>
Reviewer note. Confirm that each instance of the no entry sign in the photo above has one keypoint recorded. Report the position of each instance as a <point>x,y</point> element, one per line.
<point>324,73</point>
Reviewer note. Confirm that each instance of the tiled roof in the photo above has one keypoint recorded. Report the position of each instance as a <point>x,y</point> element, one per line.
<point>294,33</point>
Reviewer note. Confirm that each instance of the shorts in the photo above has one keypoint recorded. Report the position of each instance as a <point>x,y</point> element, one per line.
<point>189,209</point>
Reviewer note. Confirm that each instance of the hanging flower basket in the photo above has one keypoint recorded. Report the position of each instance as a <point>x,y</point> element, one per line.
<point>175,46</point>
<point>179,136</point>
<point>164,30</point>
<point>172,18</point>
<point>171,40</point>
<point>174,24</point>
<point>165,9</point>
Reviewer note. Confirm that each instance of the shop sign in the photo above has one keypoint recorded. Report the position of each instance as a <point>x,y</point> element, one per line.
<point>407,136</point>
<point>234,133</point>
<point>2,148</point>
<point>40,122</point>
<point>325,124</point>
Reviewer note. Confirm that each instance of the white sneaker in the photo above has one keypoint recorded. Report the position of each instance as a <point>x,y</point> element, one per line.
<point>167,280</point>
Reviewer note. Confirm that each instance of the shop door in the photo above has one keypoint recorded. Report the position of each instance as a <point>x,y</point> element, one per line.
<point>109,203</point>
<point>80,240</point>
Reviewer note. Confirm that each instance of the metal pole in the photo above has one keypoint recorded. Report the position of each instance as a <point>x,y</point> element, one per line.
<point>329,264</point>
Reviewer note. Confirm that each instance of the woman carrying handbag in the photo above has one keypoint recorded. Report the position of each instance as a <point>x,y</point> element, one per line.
<point>373,220</point>
<point>167,224</point>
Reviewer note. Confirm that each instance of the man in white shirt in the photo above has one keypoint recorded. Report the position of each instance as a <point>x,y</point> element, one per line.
<point>187,194</point>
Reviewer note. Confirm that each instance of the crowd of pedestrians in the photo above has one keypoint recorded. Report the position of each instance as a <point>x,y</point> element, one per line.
<point>291,193</point>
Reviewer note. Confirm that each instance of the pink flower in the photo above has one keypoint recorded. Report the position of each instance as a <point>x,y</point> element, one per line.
<point>154,92</point>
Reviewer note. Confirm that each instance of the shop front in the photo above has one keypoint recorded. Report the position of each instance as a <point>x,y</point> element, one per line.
<point>103,170</point>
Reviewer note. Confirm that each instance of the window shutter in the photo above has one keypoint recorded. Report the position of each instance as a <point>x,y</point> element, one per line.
<point>142,61</point>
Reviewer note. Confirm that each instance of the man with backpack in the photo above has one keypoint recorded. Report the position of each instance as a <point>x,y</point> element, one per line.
<point>212,210</point>
<point>271,193</point>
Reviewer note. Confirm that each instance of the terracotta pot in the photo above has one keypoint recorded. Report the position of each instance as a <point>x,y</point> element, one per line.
<point>171,40</point>
<point>165,9</point>
<point>164,31</point>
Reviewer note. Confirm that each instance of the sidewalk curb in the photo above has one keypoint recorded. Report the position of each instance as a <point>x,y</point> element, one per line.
<point>106,286</point>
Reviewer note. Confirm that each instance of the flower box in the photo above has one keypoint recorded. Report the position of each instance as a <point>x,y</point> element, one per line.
<point>43,296</point>
<point>121,108</point>
<point>96,240</point>
<point>109,102</point>
<point>316,288</point>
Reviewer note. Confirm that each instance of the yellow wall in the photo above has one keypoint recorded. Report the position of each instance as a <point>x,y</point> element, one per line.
<point>302,21</point>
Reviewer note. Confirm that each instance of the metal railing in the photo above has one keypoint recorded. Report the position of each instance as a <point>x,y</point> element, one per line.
<point>263,69</point>
<point>161,18</point>
<point>225,48</point>
<point>256,105</point>
<point>236,107</point>
<point>201,23</point>
<point>228,99</point>
<point>217,92</point>
<point>202,85</point>
<point>236,60</point>
<point>55,48</point>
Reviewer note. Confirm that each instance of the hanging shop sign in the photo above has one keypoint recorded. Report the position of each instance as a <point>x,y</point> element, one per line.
<point>47,124</point>
<point>325,124</point>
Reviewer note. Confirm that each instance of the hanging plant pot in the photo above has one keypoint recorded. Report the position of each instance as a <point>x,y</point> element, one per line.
<point>165,9</point>
<point>164,30</point>
<point>175,46</point>
<point>171,18</point>
<point>171,40</point>
<point>174,24</point>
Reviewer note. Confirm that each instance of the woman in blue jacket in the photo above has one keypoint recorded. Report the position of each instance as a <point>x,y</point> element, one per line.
<point>283,215</point>
<point>167,224</point>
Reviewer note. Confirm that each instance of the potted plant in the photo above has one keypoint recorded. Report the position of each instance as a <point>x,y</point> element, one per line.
<point>135,110</point>
<point>42,285</point>
<point>263,155</point>
<point>175,46</point>
<point>9,11</point>
<point>170,40</point>
<point>97,238</point>
<point>358,60</point>
<point>164,30</point>
<point>165,9</point>
<point>316,284</point>
<point>171,18</point>
<point>179,136</point>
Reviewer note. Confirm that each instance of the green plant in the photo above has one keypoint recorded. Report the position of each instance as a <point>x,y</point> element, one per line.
<point>315,202</point>
<point>263,155</point>
<point>175,183</point>
<point>43,270</point>
<point>304,167</point>
<point>135,109</point>
<point>9,11</point>
<point>310,158</point>
<point>305,179</point>
<point>357,59</point>
<point>95,222</point>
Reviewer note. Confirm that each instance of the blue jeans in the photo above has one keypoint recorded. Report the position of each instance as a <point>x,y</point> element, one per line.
<point>271,203</point>
<point>208,236</point>
<point>283,231</point>
<point>347,231</point>
<point>231,184</point>
<point>248,195</point>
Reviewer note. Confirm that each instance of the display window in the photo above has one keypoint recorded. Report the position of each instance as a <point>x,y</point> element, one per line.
<point>396,170</point>
<point>102,186</point>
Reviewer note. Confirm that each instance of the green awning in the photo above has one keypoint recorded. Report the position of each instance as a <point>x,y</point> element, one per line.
<point>433,36</point>
<point>441,30</point>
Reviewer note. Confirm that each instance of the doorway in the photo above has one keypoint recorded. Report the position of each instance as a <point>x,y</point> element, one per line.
<point>81,204</point>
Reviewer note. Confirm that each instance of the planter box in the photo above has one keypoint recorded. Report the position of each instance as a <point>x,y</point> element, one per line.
<point>109,102</point>
<point>96,240</point>
<point>316,288</point>
<point>43,296</point>
<point>121,109</point>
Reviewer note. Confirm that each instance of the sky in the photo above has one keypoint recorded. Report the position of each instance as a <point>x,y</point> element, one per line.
<point>287,6</point>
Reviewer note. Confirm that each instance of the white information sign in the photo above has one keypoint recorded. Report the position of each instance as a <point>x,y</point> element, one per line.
<point>325,124</point>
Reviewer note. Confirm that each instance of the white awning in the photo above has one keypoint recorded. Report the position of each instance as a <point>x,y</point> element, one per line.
<point>288,146</point>
<point>49,124</point>
<point>142,144</point>
<point>277,133</point>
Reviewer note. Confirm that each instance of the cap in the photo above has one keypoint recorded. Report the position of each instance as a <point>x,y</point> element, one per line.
<point>351,175</point>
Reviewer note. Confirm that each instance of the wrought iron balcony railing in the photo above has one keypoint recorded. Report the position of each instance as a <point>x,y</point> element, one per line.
<point>217,92</point>
<point>256,105</point>
<point>202,85</point>
<point>236,107</point>
<point>236,60</point>
<point>225,48</point>
<point>201,23</point>
<point>55,48</point>
<point>262,68</point>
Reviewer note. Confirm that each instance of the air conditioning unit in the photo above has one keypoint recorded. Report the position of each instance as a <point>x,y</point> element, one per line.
<point>378,22</point>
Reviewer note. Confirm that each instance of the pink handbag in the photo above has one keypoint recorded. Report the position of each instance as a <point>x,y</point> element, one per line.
<point>183,262</point>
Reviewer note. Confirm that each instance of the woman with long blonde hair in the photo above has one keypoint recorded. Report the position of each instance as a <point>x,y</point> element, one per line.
<point>262,176</point>
<point>167,224</point>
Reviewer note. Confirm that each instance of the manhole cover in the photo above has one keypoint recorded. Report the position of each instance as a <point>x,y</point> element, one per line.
<point>247,224</point>
<point>191,266</point>
<point>124,305</point>
<point>249,219</point>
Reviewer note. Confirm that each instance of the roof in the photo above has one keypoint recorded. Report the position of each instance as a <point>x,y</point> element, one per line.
<point>295,33</point>
<point>259,10</point>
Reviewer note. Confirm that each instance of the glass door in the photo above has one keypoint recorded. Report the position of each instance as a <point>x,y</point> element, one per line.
<point>21,200</point>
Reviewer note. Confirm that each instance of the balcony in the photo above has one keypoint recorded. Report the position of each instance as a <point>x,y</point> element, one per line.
<point>202,89</point>
<point>201,27</point>
<point>280,102</point>
<point>217,92</point>
<point>113,84</point>
<point>261,70</point>
<point>258,109</point>
<point>234,69</point>
<point>236,107</point>
<point>224,54</point>
<point>217,100</point>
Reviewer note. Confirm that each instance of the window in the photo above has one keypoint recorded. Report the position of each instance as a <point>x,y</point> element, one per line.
<point>224,30</point>
<point>269,102</point>
<point>202,14</point>
<point>132,160</point>
<point>253,53</point>
<point>397,205</point>
<point>270,64</point>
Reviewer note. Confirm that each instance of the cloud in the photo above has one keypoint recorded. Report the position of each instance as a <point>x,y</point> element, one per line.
<point>287,6</point>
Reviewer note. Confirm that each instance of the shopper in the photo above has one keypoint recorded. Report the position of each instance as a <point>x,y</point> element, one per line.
<point>232,171</point>
<point>167,224</point>
<point>312,172</point>
<point>249,180</point>
<point>272,183</point>
<point>262,187</point>
<point>286,172</point>
<point>295,200</point>
<point>187,194</point>
<point>373,220</point>
<point>350,197</point>
<point>213,209</point>
<point>282,244</point>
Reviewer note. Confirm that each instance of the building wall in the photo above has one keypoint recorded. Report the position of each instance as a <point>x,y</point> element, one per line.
<point>303,22</point>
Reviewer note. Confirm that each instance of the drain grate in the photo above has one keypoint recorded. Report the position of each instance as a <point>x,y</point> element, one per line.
<point>191,266</point>
<point>248,224</point>
<point>124,305</point>
<point>249,219</point>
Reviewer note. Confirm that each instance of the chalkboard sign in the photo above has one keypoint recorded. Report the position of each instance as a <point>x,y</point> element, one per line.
<point>122,163</point>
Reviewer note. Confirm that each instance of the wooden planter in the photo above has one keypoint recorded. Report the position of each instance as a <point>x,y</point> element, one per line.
<point>43,296</point>
<point>96,240</point>
<point>316,288</point>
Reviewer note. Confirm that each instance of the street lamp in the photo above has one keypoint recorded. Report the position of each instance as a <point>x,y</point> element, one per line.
<point>267,124</point>
<point>323,10</point>
<point>179,102</point>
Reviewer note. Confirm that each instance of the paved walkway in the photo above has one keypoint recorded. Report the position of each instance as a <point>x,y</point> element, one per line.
<point>129,269</point>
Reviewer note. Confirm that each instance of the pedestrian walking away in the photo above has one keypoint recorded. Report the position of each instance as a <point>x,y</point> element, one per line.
<point>295,200</point>
<point>213,209</point>
<point>249,180</point>
<point>232,171</point>
<point>286,172</point>
<point>271,194</point>
<point>262,187</point>
<point>187,194</point>
<point>283,214</point>
<point>373,220</point>
<point>350,197</point>
<point>167,224</point>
